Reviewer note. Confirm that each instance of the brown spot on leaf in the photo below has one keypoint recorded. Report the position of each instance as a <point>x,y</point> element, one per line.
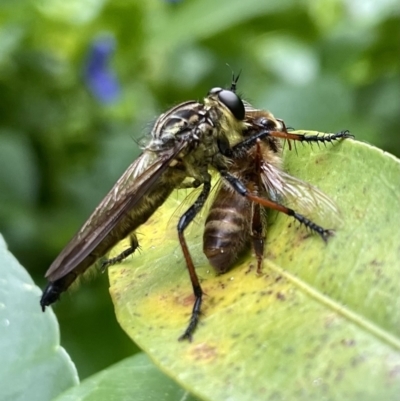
<point>185,300</point>
<point>204,352</point>
<point>281,296</point>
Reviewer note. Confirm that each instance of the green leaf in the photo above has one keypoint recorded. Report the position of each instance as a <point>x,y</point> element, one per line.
<point>33,365</point>
<point>135,378</point>
<point>322,322</point>
<point>194,18</point>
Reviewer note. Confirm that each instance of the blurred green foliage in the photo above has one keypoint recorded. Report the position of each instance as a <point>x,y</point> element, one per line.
<point>324,66</point>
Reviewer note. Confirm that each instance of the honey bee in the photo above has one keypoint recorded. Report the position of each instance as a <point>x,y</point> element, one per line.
<point>184,144</point>
<point>234,221</point>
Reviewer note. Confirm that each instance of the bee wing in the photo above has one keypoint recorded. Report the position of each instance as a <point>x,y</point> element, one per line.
<point>137,180</point>
<point>300,196</point>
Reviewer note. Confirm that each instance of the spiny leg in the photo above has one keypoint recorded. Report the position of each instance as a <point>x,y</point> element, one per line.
<point>322,232</point>
<point>264,123</point>
<point>124,254</point>
<point>184,221</point>
<point>249,142</point>
<point>242,190</point>
<point>318,138</point>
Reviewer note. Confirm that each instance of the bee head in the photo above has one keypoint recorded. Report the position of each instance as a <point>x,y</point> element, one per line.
<point>230,100</point>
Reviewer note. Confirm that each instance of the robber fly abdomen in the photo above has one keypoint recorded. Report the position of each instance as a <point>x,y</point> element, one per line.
<point>58,275</point>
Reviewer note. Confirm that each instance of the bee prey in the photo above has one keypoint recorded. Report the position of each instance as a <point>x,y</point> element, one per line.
<point>234,221</point>
<point>185,143</point>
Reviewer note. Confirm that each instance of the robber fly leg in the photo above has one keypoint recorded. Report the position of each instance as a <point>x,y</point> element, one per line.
<point>184,221</point>
<point>242,190</point>
<point>264,133</point>
<point>124,254</point>
<point>264,123</point>
<point>316,138</point>
<point>322,232</point>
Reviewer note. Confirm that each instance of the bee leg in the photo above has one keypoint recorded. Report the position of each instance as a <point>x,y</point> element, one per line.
<point>124,254</point>
<point>184,221</point>
<point>239,187</point>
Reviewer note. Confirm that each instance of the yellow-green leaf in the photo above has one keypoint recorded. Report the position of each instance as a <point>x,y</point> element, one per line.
<point>322,322</point>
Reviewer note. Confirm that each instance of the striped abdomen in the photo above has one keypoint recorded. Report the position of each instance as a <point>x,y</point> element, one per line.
<point>227,230</point>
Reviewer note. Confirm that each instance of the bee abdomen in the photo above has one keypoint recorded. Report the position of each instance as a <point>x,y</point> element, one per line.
<point>225,236</point>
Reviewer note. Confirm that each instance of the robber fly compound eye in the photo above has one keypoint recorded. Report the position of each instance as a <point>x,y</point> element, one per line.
<point>231,100</point>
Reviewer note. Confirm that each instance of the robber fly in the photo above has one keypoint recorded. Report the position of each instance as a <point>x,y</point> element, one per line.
<point>234,221</point>
<point>185,143</point>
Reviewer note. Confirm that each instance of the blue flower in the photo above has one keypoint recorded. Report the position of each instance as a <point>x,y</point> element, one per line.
<point>99,77</point>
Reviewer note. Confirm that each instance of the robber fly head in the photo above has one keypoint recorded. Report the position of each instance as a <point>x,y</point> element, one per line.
<point>228,99</point>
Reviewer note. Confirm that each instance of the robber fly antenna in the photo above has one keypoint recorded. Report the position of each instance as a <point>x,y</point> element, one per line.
<point>234,80</point>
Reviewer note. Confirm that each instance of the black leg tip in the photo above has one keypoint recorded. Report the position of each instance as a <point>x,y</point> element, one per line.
<point>346,134</point>
<point>186,336</point>
<point>326,234</point>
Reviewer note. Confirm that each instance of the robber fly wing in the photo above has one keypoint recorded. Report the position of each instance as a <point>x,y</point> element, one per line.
<point>300,196</point>
<point>138,179</point>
